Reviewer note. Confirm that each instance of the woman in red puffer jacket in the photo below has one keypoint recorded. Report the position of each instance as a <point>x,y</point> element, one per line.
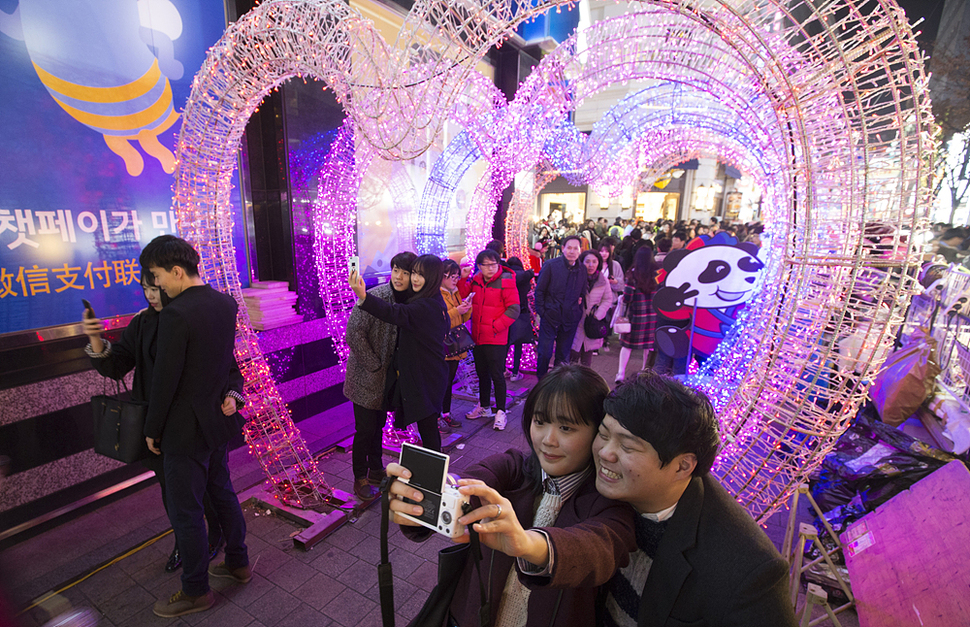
<point>495,306</point>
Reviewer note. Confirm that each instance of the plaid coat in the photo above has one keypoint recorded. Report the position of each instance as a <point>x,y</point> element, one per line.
<point>643,319</point>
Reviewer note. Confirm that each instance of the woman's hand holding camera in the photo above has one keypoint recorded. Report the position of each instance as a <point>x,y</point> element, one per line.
<point>499,527</point>
<point>400,491</point>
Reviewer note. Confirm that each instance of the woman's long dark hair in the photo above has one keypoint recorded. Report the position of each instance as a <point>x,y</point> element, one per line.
<point>643,274</point>
<point>432,269</point>
<point>571,394</point>
<point>607,243</point>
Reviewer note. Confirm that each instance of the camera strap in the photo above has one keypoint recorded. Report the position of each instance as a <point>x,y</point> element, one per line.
<point>385,579</point>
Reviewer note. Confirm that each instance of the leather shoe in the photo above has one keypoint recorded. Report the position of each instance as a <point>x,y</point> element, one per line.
<point>374,477</point>
<point>180,604</point>
<point>364,490</point>
<point>174,561</point>
<point>243,574</point>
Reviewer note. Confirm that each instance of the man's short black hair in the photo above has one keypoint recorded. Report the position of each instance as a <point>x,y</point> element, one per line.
<point>672,417</point>
<point>403,260</point>
<point>497,245</point>
<point>681,235</point>
<point>487,255</point>
<point>664,244</point>
<point>168,251</point>
<point>571,238</point>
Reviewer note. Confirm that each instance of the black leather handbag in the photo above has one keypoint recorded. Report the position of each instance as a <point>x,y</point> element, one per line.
<point>119,428</point>
<point>594,328</point>
<point>458,341</point>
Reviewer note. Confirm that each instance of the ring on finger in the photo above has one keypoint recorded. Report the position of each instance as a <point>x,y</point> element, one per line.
<point>499,511</point>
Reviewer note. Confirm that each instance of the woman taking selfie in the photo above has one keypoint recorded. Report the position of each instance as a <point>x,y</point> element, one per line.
<point>459,312</point>
<point>418,371</point>
<point>531,506</point>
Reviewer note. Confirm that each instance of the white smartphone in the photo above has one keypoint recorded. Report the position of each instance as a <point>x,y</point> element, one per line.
<point>353,265</point>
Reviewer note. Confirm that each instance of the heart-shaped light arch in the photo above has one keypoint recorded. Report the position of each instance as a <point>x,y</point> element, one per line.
<point>781,402</point>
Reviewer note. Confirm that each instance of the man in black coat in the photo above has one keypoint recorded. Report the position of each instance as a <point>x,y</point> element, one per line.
<point>191,419</point>
<point>559,304</point>
<point>700,558</point>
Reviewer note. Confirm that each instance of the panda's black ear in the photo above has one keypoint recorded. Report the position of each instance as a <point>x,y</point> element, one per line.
<point>748,247</point>
<point>673,258</point>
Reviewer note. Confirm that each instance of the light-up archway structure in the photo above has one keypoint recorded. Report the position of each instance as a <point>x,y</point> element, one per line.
<point>833,93</point>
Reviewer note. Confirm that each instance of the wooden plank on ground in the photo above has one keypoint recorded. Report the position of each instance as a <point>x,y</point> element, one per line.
<point>909,561</point>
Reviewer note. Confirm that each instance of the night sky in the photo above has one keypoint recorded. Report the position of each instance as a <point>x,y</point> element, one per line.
<point>930,11</point>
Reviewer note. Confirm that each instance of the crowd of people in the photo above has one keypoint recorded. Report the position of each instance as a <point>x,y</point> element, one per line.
<point>627,235</point>
<point>611,519</point>
<point>603,273</point>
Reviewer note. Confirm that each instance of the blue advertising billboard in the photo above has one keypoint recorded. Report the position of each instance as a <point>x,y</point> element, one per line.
<point>91,93</point>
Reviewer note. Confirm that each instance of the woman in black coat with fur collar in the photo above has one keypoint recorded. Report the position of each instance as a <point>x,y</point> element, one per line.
<point>419,359</point>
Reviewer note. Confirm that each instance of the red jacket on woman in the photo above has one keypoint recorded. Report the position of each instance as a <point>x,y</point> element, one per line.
<point>494,307</point>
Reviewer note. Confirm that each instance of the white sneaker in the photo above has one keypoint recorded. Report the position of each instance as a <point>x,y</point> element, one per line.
<point>606,348</point>
<point>479,412</point>
<point>499,424</point>
<point>518,376</point>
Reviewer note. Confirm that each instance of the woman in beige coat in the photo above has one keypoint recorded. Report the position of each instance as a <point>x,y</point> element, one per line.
<point>599,299</point>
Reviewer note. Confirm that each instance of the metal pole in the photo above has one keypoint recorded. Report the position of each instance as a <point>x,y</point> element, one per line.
<point>690,345</point>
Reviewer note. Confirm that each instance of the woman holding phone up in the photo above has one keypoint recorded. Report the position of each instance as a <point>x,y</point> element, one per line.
<point>459,312</point>
<point>418,363</point>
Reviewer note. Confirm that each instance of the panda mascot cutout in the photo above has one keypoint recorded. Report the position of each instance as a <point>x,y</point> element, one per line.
<point>708,280</point>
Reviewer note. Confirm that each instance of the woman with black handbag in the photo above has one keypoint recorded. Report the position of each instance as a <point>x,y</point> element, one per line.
<point>136,350</point>
<point>594,325</point>
<point>459,312</point>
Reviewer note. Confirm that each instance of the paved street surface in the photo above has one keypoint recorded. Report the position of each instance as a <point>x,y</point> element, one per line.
<point>333,584</point>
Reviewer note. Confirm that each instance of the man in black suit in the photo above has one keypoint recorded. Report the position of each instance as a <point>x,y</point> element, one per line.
<point>191,418</point>
<point>700,558</point>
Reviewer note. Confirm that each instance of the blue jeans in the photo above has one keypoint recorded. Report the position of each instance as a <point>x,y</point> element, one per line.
<point>560,334</point>
<point>188,478</point>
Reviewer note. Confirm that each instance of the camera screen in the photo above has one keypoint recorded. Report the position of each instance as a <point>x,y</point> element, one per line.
<point>427,467</point>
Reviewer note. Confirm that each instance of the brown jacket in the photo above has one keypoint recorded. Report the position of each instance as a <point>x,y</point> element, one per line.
<point>593,534</point>
<point>452,302</point>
